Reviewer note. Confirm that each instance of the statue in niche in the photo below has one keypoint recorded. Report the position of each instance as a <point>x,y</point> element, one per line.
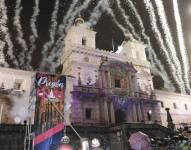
<point>89,79</point>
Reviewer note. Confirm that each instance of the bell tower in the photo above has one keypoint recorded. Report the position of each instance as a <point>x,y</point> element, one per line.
<point>79,59</point>
<point>134,51</point>
<point>80,34</point>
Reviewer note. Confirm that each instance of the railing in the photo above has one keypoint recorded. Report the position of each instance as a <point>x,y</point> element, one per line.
<point>91,124</point>
<point>112,91</point>
<point>86,89</point>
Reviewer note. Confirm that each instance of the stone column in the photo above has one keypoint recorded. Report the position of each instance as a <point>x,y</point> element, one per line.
<point>131,116</point>
<point>142,110</point>
<point>131,84</point>
<point>106,79</point>
<point>112,113</point>
<point>103,79</point>
<point>106,115</point>
<point>134,112</point>
<point>139,111</point>
<point>100,80</point>
<point>109,80</point>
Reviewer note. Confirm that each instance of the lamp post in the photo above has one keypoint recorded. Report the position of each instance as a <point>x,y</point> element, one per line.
<point>150,115</point>
<point>170,125</point>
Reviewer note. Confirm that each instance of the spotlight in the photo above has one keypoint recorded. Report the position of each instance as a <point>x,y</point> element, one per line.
<point>150,112</point>
<point>17,120</point>
<point>65,140</point>
<point>95,143</point>
<point>64,143</point>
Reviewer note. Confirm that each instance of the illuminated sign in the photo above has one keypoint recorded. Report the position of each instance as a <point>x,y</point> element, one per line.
<point>49,124</point>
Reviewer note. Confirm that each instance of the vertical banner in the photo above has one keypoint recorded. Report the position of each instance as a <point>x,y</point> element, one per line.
<point>49,124</point>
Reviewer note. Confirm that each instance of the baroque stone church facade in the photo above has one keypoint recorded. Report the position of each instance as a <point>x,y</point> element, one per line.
<point>109,88</point>
<point>106,87</point>
<point>108,95</point>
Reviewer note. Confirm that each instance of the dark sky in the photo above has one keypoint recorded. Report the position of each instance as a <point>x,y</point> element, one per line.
<point>105,28</point>
<point>104,34</point>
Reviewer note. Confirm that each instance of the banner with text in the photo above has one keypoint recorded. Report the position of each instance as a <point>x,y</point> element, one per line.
<point>49,124</point>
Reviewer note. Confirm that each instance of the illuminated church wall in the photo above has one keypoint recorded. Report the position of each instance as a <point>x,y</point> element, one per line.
<point>82,60</point>
<point>85,58</point>
<point>179,104</point>
<point>91,93</point>
<point>87,110</point>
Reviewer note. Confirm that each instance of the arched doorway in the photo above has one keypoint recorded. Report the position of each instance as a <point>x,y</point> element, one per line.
<point>120,116</point>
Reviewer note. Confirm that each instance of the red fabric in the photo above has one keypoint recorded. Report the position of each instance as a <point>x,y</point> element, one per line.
<point>40,138</point>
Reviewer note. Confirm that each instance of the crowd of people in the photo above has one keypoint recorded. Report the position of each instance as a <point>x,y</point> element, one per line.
<point>179,140</point>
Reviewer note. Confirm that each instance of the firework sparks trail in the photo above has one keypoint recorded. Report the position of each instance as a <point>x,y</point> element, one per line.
<point>96,14</point>
<point>19,37</point>
<point>33,26</point>
<point>52,30</point>
<point>6,35</point>
<point>69,12</point>
<point>168,38</point>
<point>2,57</point>
<point>69,22</point>
<point>183,51</point>
<point>155,62</point>
<point>57,50</point>
<point>157,34</point>
<point>127,21</point>
<point>105,7</point>
<point>60,31</point>
<point>125,31</point>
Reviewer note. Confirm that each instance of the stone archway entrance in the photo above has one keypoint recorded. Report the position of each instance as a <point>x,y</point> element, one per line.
<point>120,116</point>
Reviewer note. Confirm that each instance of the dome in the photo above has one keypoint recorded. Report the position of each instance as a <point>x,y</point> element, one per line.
<point>79,21</point>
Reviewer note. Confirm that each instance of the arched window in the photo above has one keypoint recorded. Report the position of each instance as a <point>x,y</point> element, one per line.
<point>84,41</point>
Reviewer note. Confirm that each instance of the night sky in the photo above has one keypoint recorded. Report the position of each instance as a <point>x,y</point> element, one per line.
<point>106,29</point>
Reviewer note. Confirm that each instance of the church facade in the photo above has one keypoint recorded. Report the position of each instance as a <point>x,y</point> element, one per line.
<point>108,88</point>
<point>103,87</point>
<point>116,87</point>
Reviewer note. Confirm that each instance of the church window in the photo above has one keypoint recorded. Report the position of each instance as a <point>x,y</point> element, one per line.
<point>117,83</point>
<point>18,84</point>
<point>84,41</point>
<point>186,106</point>
<point>174,105</point>
<point>162,105</point>
<point>88,113</point>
